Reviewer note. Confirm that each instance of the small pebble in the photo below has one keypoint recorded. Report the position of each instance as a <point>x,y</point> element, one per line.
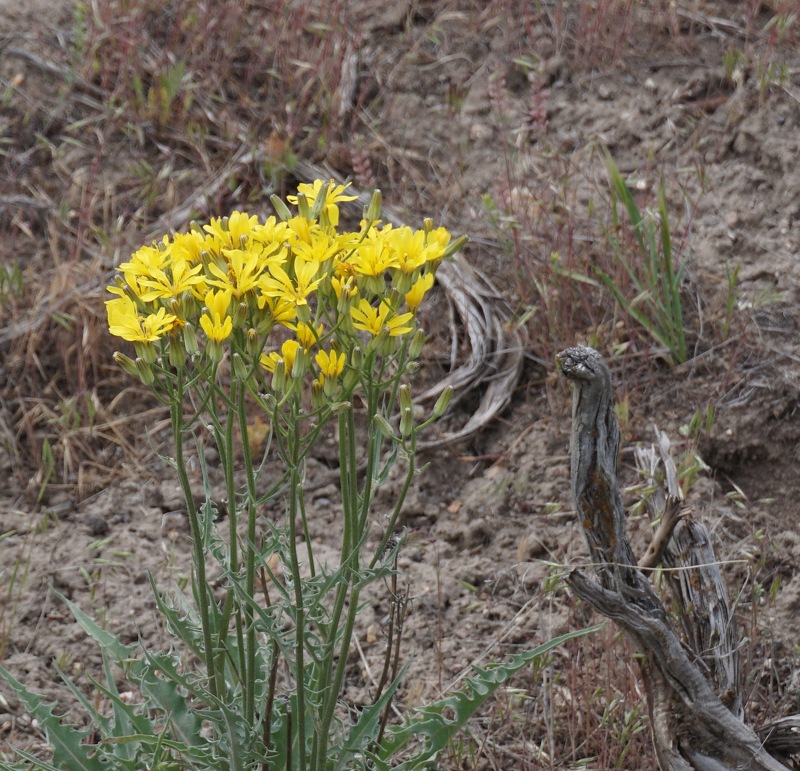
<point>96,525</point>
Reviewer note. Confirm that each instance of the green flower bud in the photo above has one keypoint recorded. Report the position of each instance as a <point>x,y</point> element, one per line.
<point>279,378</point>
<point>443,402</point>
<point>405,397</point>
<point>146,352</point>
<point>383,426</point>
<point>281,209</point>
<point>454,246</point>
<point>412,367</point>
<point>127,363</point>
<point>318,397</point>
<point>374,209</point>
<point>190,339</point>
<point>253,343</point>
<point>406,422</point>
<point>304,208</point>
<point>350,380</point>
<point>239,367</point>
<point>214,351</point>
<point>417,344</point>
<point>145,372</point>
<point>177,354</point>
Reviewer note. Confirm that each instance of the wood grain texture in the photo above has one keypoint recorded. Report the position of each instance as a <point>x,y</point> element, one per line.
<point>692,727</point>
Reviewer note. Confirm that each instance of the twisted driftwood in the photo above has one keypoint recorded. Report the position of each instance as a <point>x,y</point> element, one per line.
<point>693,686</point>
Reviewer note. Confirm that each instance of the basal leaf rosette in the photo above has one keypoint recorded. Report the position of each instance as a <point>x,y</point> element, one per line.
<point>286,299</point>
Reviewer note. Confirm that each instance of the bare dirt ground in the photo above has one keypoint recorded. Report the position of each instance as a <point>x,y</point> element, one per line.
<point>492,119</point>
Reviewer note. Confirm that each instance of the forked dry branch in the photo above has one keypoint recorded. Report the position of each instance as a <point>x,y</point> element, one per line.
<point>693,685</point>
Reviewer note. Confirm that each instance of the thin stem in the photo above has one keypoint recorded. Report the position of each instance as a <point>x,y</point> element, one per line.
<point>250,562</point>
<point>349,563</point>
<point>176,416</point>
<point>295,489</point>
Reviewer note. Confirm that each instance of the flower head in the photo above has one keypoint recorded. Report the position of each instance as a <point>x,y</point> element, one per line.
<point>125,321</point>
<point>417,292</point>
<point>331,364</point>
<point>375,320</point>
<point>215,322</point>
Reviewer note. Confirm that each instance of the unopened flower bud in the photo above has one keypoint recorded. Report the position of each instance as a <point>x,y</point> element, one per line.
<point>214,351</point>
<point>350,380</point>
<point>177,354</point>
<point>253,343</point>
<point>406,422</point>
<point>443,402</point>
<point>318,393</point>
<point>239,367</point>
<point>279,377</point>
<point>145,371</point>
<point>383,426</point>
<point>239,313</point>
<point>303,207</point>
<point>405,397</point>
<point>427,225</point>
<point>146,351</point>
<point>412,367</point>
<point>127,363</point>
<point>190,340</point>
<point>338,407</point>
<point>417,343</point>
<point>454,246</point>
<point>357,357</point>
<point>281,208</point>
<point>374,209</point>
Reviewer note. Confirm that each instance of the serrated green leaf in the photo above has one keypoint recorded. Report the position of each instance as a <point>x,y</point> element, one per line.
<point>69,751</point>
<point>365,731</point>
<point>439,730</point>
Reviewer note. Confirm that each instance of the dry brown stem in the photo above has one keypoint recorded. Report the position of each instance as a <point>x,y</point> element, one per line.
<point>692,687</point>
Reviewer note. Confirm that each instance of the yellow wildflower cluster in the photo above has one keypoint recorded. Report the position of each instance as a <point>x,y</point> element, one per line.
<point>292,292</point>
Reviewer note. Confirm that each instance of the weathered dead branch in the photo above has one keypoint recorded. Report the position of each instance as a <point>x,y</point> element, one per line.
<point>693,686</point>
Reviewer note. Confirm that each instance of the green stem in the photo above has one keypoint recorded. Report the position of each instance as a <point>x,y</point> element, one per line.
<point>295,489</point>
<point>225,447</point>
<point>399,501</point>
<point>176,415</point>
<point>349,563</point>
<point>250,562</point>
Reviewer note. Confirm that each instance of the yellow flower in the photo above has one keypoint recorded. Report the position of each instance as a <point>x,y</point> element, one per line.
<point>287,356</point>
<point>347,287</point>
<point>417,292</point>
<point>375,320</point>
<point>333,194</point>
<point>216,323</point>
<point>307,335</point>
<point>243,272</point>
<point>166,286</point>
<point>408,247</point>
<point>278,283</point>
<point>331,364</point>
<point>231,232</point>
<point>124,321</point>
<point>281,310</point>
<point>188,246</point>
<point>372,258</point>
